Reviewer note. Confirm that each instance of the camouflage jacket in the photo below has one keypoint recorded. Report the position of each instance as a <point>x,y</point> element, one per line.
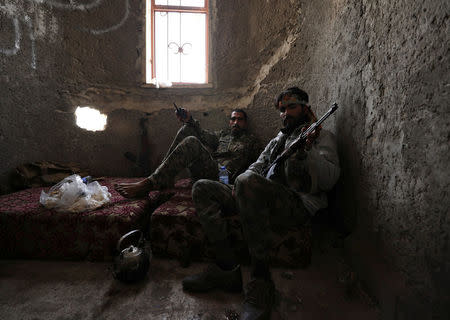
<point>236,153</point>
<point>311,173</point>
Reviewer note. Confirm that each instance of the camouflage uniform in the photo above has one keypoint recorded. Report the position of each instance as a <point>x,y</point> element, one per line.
<point>202,152</point>
<point>295,193</point>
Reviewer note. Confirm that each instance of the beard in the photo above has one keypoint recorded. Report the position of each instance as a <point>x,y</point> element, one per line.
<point>236,130</point>
<point>290,123</point>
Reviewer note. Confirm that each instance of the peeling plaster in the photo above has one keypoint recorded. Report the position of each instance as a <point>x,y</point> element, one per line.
<point>280,54</point>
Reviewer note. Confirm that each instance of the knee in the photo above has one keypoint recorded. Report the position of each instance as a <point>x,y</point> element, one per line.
<point>185,131</point>
<point>191,140</point>
<point>246,178</point>
<point>245,183</point>
<point>199,189</point>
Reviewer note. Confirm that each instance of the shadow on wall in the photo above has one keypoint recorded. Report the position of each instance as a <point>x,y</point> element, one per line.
<point>350,187</point>
<point>346,188</point>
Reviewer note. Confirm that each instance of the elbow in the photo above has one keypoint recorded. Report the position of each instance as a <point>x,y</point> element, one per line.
<point>330,179</point>
<point>325,179</point>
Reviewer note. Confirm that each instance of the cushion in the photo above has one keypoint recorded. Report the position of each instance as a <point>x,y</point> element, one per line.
<point>176,232</point>
<point>174,227</point>
<point>28,230</point>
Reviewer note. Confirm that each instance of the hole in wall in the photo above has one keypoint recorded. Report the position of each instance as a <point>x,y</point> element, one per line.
<point>90,119</point>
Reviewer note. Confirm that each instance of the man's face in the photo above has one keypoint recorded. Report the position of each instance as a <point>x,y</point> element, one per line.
<point>237,122</point>
<point>292,113</point>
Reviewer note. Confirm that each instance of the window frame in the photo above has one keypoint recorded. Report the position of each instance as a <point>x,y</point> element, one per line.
<point>182,9</point>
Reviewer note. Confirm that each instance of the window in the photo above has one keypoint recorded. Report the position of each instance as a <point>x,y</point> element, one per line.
<point>177,41</point>
<point>90,119</point>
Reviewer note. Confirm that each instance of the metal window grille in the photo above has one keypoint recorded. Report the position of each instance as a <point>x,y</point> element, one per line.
<point>179,40</point>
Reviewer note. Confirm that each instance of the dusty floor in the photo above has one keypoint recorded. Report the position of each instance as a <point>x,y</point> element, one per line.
<point>83,290</point>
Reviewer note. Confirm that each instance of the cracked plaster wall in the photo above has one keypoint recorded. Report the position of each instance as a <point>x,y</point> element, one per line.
<point>56,55</point>
<point>386,63</point>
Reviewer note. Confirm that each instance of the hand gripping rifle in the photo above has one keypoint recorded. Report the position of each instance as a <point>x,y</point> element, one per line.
<point>298,143</point>
<point>179,111</point>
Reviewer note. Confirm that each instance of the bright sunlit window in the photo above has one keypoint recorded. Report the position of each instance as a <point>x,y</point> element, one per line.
<point>176,41</point>
<point>90,119</point>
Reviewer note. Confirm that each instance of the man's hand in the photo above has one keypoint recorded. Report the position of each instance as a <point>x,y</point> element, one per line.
<point>183,115</point>
<point>311,137</point>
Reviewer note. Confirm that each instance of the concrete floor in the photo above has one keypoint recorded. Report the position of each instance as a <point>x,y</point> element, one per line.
<point>327,289</point>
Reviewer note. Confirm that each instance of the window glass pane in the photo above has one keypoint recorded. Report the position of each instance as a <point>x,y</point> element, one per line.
<point>193,56</point>
<point>187,3</point>
<point>180,47</point>
<point>193,3</point>
<point>148,43</point>
<point>173,47</point>
<point>168,2</point>
<point>161,45</point>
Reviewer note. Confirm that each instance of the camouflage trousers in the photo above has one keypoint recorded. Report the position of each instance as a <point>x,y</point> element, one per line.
<point>263,206</point>
<point>186,151</point>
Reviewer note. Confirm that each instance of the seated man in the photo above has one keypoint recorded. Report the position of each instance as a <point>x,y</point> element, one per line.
<point>292,195</point>
<point>201,152</point>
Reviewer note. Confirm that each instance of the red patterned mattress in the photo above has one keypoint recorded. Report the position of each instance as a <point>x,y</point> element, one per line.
<point>176,232</point>
<point>174,229</point>
<point>28,230</point>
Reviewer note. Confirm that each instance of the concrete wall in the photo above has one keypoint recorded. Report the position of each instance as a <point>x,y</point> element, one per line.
<point>56,55</point>
<point>386,64</point>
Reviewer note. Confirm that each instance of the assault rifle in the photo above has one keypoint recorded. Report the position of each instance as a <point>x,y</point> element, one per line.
<point>298,143</point>
<point>179,111</point>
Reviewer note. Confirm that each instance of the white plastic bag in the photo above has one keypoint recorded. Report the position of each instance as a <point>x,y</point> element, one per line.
<point>72,195</point>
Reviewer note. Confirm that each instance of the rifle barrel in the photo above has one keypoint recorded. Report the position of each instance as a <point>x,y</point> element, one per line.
<point>322,119</point>
<point>329,112</point>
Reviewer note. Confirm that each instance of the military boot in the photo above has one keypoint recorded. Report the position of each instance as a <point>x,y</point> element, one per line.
<point>214,278</point>
<point>259,298</point>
